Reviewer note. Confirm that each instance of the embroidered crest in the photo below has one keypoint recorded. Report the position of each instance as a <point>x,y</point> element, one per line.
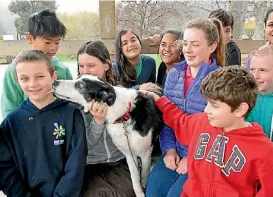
<point>59,131</point>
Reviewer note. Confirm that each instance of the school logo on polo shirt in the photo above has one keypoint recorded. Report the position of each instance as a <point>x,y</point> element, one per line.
<point>59,132</point>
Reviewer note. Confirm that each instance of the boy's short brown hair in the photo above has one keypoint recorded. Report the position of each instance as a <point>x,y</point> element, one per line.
<point>224,16</point>
<point>232,85</point>
<point>32,56</point>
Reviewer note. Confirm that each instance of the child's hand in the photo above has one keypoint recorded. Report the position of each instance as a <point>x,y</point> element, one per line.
<point>148,86</point>
<point>98,111</point>
<point>153,95</point>
<point>182,166</point>
<point>171,159</point>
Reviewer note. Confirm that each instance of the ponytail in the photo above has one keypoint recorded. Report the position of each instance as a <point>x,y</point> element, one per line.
<point>219,53</point>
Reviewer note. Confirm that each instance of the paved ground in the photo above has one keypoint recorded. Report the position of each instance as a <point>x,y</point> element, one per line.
<point>71,65</point>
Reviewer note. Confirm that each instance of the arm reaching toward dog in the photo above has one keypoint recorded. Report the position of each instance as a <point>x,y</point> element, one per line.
<point>148,86</point>
<point>183,124</point>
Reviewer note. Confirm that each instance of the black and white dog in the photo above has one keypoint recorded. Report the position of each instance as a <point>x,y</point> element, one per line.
<point>133,121</point>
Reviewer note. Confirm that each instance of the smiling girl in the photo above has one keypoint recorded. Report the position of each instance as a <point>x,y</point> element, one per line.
<point>169,54</point>
<point>107,172</point>
<point>133,69</point>
<point>203,48</point>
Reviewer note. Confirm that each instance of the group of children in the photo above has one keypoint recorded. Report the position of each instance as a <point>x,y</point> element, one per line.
<point>49,147</point>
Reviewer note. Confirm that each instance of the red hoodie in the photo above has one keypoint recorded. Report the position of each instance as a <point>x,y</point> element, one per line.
<point>220,164</point>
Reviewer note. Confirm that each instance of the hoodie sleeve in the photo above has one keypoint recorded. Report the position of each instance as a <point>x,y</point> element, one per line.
<point>71,182</point>
<point>177,119</point>
<point>68,74</point>
<point>94,133</point>
<point>265,167</point>
<point>11,182</point>
<point>12,94</point>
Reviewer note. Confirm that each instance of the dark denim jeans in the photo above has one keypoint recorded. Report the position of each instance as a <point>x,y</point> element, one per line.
<point>164,182</point>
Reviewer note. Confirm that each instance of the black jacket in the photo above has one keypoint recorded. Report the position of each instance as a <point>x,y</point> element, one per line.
<point>43,151</point>
<point>233,54</point>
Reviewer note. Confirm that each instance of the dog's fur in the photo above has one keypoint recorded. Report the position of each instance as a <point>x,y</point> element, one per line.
<point>143,126</point>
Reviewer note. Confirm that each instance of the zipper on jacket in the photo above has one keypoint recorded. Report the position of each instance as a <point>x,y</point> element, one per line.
<point>271,130</point>
<point>262,98</point>
<point>106,146</point>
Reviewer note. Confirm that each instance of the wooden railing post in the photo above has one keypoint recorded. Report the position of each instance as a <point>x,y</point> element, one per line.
<point>107,12</point>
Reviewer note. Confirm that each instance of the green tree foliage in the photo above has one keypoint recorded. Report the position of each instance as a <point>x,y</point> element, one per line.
<point>81,25</point>
<point>25,8</point>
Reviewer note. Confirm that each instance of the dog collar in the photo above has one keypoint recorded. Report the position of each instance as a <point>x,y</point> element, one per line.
<point>126,116</point>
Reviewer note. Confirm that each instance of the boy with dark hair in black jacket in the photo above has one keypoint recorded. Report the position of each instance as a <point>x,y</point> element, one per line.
<point>233,52</point>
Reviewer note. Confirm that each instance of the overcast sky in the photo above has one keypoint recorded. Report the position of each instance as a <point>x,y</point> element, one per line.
<point>78,5</point>
<point>69,5</point>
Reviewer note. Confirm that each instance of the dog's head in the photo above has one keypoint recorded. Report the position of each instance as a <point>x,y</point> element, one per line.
<point>84,89</point>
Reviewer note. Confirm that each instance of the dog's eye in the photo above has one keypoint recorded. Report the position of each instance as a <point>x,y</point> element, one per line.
<point>80,85</point>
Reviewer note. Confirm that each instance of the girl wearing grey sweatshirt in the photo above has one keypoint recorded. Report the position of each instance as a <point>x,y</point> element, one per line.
<point>106,172</point>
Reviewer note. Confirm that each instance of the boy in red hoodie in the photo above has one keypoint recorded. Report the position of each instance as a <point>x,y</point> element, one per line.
<point>228,156</point>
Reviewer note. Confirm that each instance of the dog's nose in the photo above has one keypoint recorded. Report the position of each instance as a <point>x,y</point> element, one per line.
<point>55,83</point>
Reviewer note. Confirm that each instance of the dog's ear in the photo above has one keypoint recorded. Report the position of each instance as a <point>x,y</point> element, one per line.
<point>107,97</point>
<point>111,99</point>
<point>106,94</point>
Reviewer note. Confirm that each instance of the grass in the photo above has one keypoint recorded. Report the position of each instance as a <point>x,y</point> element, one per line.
<point>2,60</point>
<point>66,58</point>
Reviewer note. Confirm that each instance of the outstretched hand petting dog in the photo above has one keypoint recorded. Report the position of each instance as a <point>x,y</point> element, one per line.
<point>151,94</point>
<point>148,86</point>
<point>98,110</point>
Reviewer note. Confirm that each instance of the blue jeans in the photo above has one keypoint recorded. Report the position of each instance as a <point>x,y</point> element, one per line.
<point>164,182</point>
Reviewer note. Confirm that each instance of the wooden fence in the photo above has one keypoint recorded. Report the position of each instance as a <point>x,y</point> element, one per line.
<point>70,47</point>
